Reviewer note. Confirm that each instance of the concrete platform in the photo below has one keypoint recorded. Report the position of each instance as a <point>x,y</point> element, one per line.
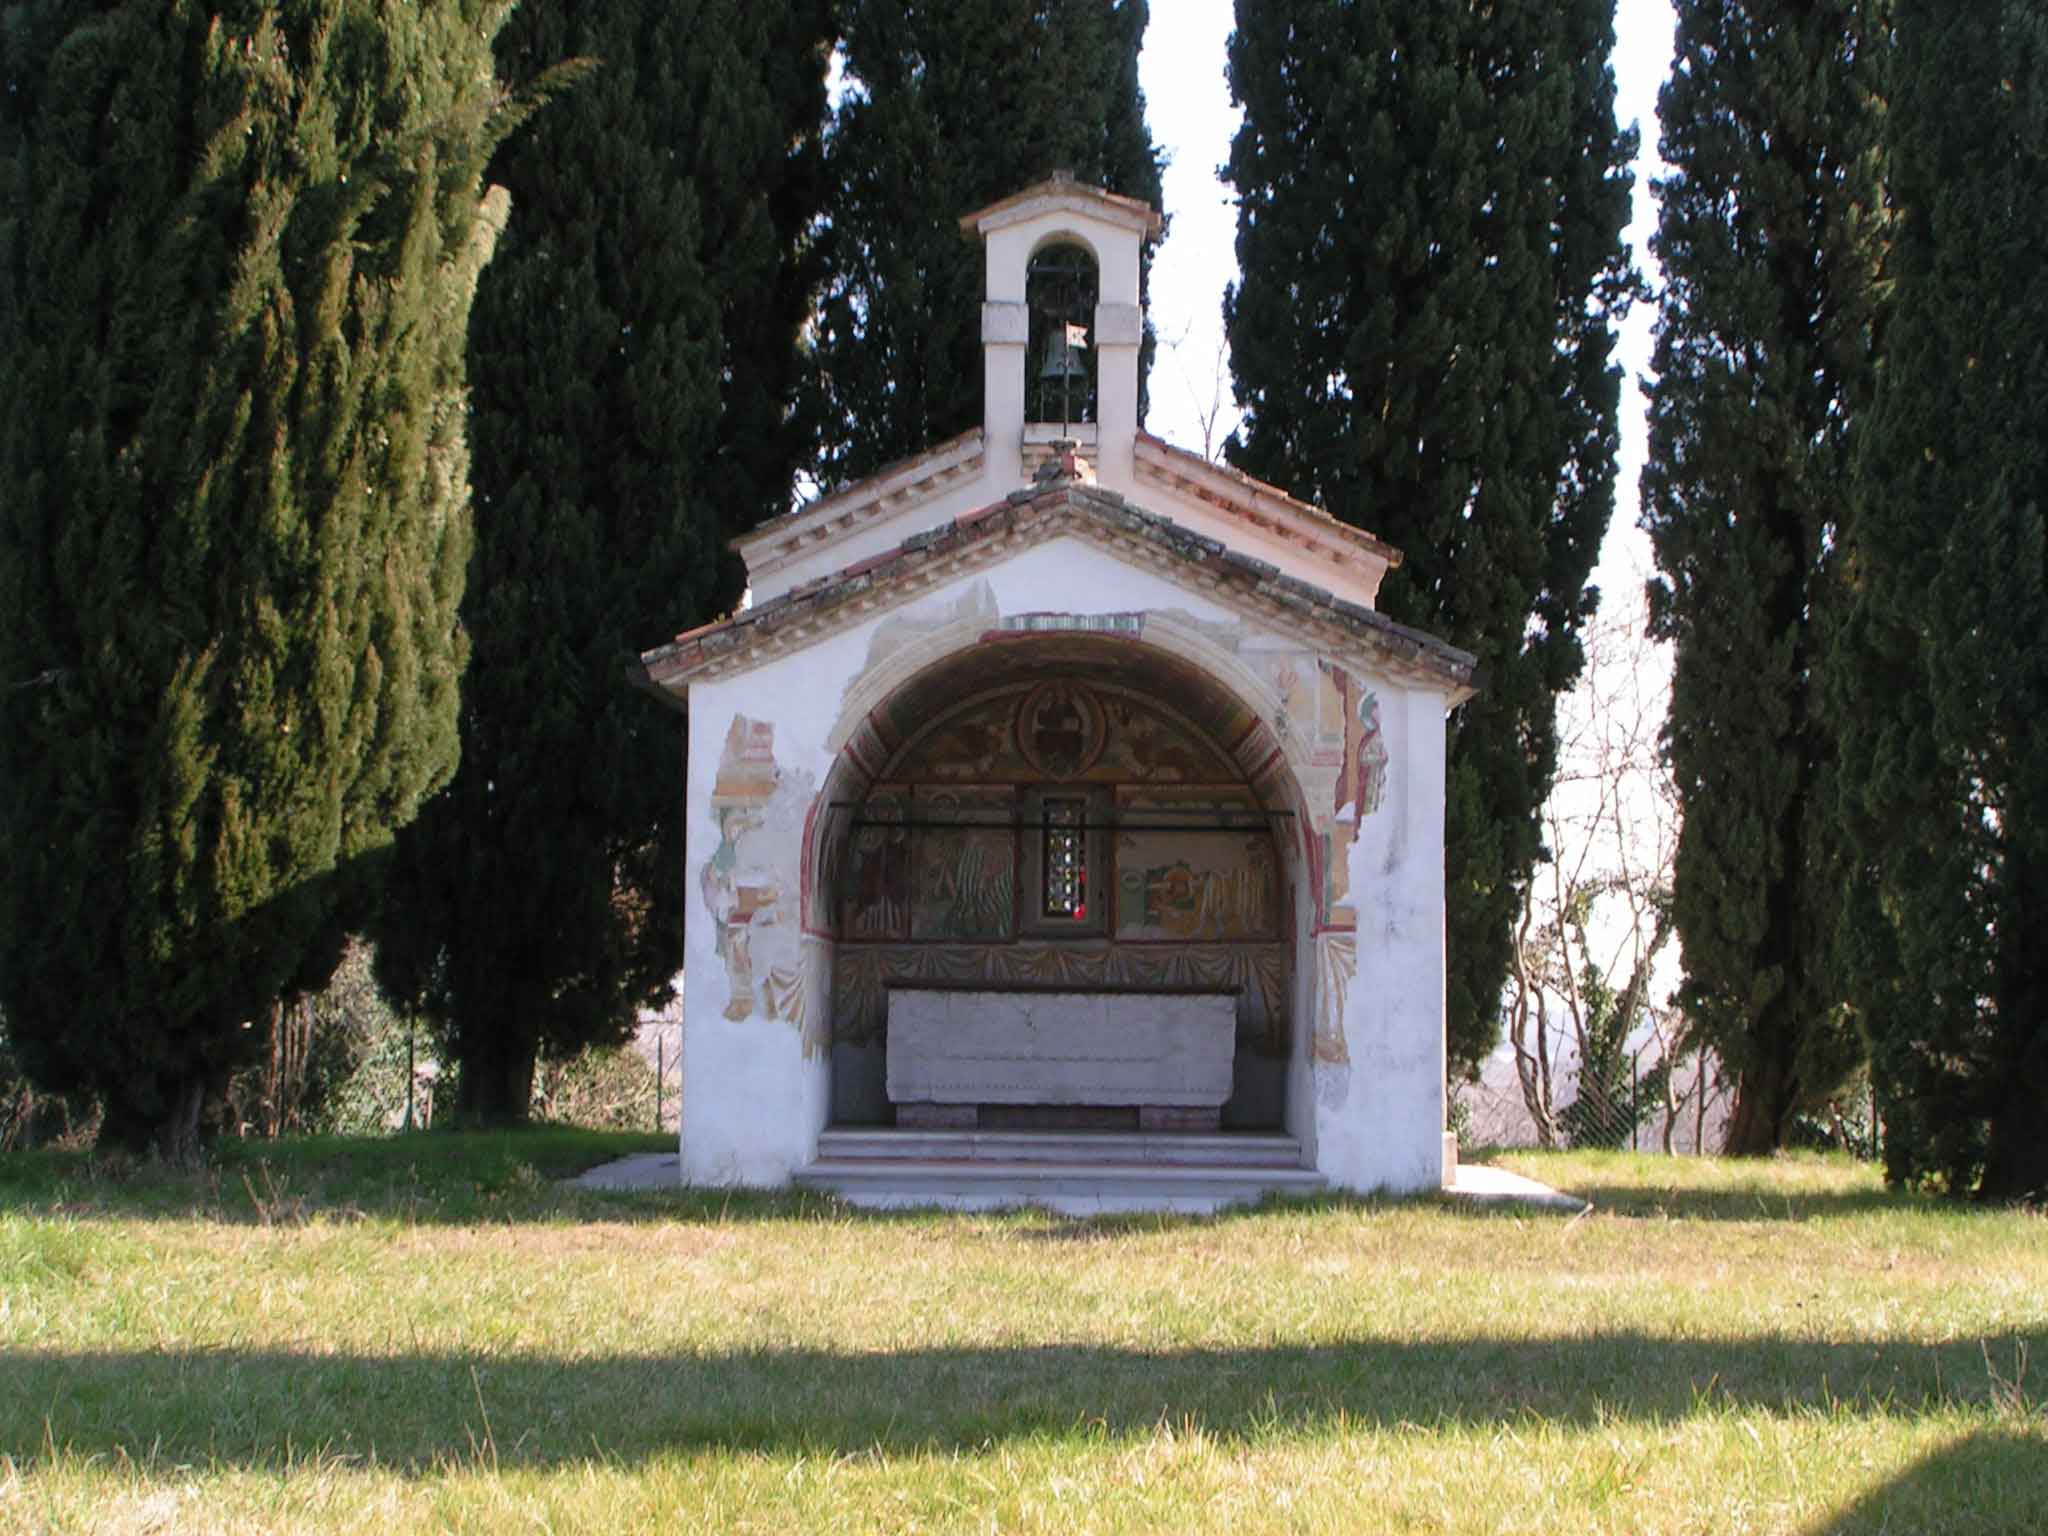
<point>1076,1173</point>
<point>1496,1186</point>
<point>644,1170</point>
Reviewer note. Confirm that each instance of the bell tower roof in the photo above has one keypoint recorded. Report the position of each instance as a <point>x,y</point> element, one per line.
<point>1061,192</point>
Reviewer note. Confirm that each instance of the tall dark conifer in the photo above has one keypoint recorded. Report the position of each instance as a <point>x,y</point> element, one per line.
<point>632,357</point>
<point>1764,363</point>
<point>1941,682</point>
<point>950,105</point>
<point>237,253</point>
<point>1431,198</point>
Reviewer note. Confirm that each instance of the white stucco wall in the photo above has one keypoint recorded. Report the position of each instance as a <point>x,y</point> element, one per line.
<point>1379,1115</point>
<point>1366,1084</point>
<point>753,1098</point>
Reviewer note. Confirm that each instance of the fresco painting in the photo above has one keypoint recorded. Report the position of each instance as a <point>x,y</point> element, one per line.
<point>1334,900</point>
<point>875,881</point>
<point>1063,732</point>
<point>973,745</point>
<point>1350,715</point>
<point>1148,747</point>
<point>1293,704</point>
<point>1061,729</point>
<point>1179,885</point>
<point>760,811</point>
<point>1350,737</point>
<point>965,864</point>
<point>936,899</point>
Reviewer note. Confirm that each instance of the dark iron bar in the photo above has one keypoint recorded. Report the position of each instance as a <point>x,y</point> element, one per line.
<point>1245,821</point>
<point>1068,826</point>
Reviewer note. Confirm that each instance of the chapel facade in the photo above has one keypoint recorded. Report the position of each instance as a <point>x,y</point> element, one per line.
<point>1065,822</point>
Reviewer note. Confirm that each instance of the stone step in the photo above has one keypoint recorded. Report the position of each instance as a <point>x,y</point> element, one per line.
<point>1071,1188</point>
<point>1240,1149</point>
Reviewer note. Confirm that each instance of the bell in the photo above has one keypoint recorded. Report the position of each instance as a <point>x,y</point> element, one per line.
<point>1063,358</point>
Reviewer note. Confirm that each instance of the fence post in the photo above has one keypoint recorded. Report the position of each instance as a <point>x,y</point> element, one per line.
<point>1699,1108</point>
<point>660,1072</point>
<point>411,1074</point>
<point>1635,1102</point>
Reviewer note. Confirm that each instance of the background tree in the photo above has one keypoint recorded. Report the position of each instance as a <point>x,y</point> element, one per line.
<point>1431,198</point>
<point>239,247</point>
<point>633,357</point>
<point>1942,685</point>
<point>1586,1002</point>
<point>950,105</point>
<point>1763,367</point>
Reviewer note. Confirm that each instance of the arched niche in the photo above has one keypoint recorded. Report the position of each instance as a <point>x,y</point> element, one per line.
<point>942,821</point>
<point>1062,286</point>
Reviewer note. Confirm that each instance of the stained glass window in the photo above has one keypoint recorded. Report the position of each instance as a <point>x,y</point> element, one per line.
<point>1066,858</point>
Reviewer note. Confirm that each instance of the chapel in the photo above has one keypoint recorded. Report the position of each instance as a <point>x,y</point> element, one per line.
<point>1065,822</point>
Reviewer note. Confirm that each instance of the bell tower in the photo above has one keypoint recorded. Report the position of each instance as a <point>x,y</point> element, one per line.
<point>1036,244</point>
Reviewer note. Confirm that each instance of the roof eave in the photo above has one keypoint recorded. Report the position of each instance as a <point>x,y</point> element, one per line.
<point>1062,187</point>
<point>976,536</point>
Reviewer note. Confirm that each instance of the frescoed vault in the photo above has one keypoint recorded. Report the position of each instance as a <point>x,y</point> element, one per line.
<point>931,862</point>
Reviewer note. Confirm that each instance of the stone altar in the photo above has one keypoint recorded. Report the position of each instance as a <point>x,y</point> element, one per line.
<point>1167,1054</point>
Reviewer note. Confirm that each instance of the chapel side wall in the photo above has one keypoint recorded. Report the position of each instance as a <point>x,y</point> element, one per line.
<point>1380,1079</point>
<point>755,1067</point>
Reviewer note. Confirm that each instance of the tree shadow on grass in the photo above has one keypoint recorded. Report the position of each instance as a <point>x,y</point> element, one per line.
<point>424,1410</point>
<point>1760,1203</point>
<point>1994,1480</point>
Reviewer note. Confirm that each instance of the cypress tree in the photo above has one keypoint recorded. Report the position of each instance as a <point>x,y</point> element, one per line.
<point>1942,680</point>
<point>632,361</point>
<point>1764,364</point>
<point>1431,198</point>
<point>950,105</point>
<point>239,247</point>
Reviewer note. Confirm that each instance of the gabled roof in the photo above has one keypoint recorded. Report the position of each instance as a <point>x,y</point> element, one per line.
<point>909,483</point>
<point>893,489</point>
<point>1061,507</point>
<point>1254,501</point>
<point>1061,190</point>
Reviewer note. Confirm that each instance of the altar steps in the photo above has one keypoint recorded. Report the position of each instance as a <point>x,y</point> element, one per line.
<point>1073,1172</point>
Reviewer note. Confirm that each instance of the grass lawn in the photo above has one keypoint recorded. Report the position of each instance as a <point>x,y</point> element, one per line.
<point>428,1333</point>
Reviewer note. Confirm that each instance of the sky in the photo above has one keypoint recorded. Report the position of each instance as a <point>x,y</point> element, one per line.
<point>1188,105</point>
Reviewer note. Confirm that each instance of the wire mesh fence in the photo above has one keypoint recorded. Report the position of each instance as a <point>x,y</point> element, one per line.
<point>1647,1105</point>
<point>659,1043</point>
